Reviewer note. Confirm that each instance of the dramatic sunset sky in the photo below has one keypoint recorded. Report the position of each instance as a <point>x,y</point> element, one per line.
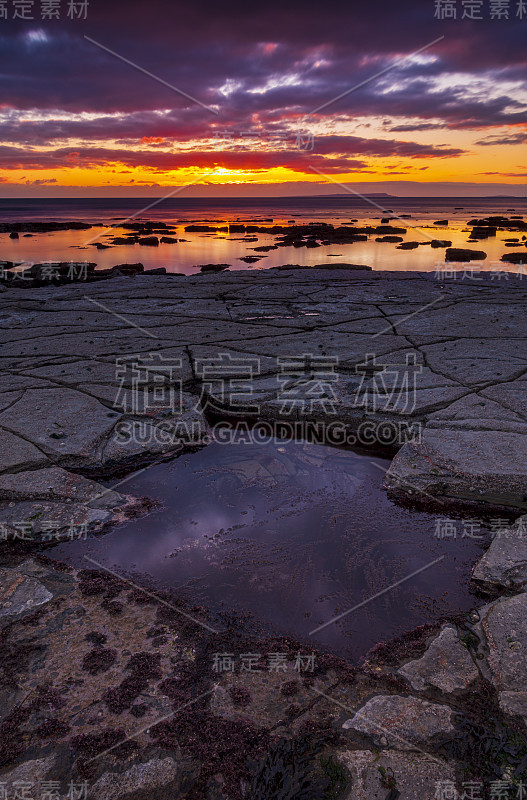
<point>250,107</point>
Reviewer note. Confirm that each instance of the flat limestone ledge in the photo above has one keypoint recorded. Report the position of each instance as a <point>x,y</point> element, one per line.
<point>479,466</point>
<point>50,431</point>
<point>72,428</point>
<point>63,404</point>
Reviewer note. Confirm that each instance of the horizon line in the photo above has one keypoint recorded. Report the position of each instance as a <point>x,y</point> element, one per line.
<point>276,197</point>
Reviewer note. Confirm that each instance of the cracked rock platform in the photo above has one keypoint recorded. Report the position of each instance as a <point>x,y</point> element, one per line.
<point>87,393</point>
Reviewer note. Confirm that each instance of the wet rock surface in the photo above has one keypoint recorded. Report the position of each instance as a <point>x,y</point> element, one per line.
<point>505,631</point>
<point>103,683</point>
<point>164,778</point>
<point>413,777</point>
<point>504,565</point>
<point>446,665</point>
<point>403,722</point>
<point>473,466</point>
<point>21,593</point>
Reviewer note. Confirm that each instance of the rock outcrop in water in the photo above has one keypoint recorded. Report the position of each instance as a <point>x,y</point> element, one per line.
<point>464,254</point>
<point>515,258</point>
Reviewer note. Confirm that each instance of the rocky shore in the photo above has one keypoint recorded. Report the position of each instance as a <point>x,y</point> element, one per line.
<point>112,687</point>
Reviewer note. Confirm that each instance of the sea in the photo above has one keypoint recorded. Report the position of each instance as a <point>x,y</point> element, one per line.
<point>416,214</point>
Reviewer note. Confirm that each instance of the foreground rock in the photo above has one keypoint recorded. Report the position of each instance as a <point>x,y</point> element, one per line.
<point>436,362</point>
<point>465,466</point>
<point>504,565</point>
<point>395,774</point>
<point>47,505</point>
<point>20,594</point>
<point>164,778</point>
<point>401,722</point>
<point>132,707</point>
<point>504,626</point>
<point>101,381</point>
<point>446,665</point>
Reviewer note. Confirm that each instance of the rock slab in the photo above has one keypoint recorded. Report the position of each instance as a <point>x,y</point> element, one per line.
<point>446,665</point>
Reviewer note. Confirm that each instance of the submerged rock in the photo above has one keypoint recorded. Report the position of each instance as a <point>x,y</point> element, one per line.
<point>208,228</point>
<point>43,227</point>
<point>482,232</point>
<point>504,223</point>
<point>125,240</point>
<point>340,265</point>
<point>390,229</point>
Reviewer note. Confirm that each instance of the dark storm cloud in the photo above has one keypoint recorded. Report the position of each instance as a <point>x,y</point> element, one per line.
<point>21,158</point>
<point>382,147</point>
<point>264,69</point>
<point>217,54</point>
<point>417,126</point>
<point>332,154</point>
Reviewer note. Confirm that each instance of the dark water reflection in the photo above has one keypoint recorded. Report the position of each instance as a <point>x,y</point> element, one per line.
<point>293,533</point>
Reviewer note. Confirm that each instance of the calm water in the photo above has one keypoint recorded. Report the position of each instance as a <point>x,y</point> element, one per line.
<point>221,248</point>
<point>292,533</point>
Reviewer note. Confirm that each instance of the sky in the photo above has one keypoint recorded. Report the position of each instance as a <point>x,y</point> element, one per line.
<point>278,98</point>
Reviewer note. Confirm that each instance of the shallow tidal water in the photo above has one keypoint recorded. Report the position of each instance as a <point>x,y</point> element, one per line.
<point>194,249</point>
<point>292,534</point>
